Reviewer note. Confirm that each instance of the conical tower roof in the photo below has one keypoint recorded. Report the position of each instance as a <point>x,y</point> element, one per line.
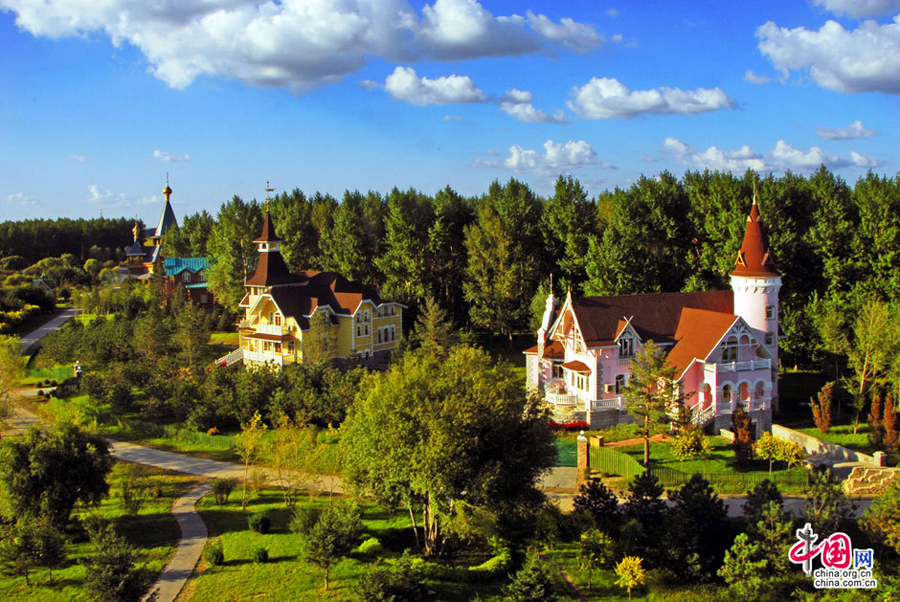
<point>754,259</point>
<point>268,230</point>
<point>167,219</point>
<point>271,270</point>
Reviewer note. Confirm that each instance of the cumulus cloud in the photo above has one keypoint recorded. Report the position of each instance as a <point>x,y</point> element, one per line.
<point>571,34</point>
<point>78,158</point>
<point>612,12</point>
<point>866,59</point>
<point>21,199</point>
<point>753,78</point>
<point>783,157</point>
<point>404,84</point>
<point>556,158</point>
<point>295,44</point>
<point>517,103</point>
<point>605,98</point>
<point>168,157</point>
<point>859,8</point>
<point>853,131</point>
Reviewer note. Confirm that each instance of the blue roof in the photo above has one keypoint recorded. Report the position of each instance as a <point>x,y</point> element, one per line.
<point>195,285</point>
<point>176,265</point>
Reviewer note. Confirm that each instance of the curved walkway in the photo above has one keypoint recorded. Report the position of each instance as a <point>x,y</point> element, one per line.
<point>29,342</point>
<point>193,537</point>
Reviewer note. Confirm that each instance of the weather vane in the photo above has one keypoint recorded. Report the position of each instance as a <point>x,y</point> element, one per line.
<point>268,190</point>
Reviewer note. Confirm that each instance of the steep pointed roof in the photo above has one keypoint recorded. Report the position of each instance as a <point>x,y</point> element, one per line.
<point>754,258</point>
<point>268,231</point>
<point>167,219</point>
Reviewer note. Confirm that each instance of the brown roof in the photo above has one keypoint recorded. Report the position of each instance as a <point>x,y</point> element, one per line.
<point>698,333</point>
<point>268,231</point>
<point>553,351</point>
<point>654,315</point>
<point>269,337</point>
<point>576,366</point>
<point>322,288</point>
<point>272,271</point>
<point>754,258</point>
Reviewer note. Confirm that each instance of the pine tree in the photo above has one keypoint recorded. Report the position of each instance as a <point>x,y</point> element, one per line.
<point>742,445</point>
<point>876,423</point>
<point>891,424</point>
<point>649,391</point>
<point>822,407</point>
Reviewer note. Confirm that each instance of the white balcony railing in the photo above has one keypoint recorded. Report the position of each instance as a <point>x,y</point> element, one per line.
<point>561,399</point>
<point>270,329</point>
<point>614,403</point>
<point>752,405</point>
<point>623,361</point>
<point>762,364</point>
<point>264,356</point>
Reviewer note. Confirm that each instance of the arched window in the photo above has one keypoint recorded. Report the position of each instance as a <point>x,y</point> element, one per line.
<point>730,350</point>
<point>760,392</point>
<point>744,391</point>
<point>726,394</point>
<point>706,393</point>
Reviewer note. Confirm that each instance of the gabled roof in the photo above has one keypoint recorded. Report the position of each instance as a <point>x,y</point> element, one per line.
<point>552,351</point>
<point>176,265</point>
<point>653,316</point>
<point>699,332</point>
<point>754,258</point>
<point>322,289</point>
<point>576,366</point>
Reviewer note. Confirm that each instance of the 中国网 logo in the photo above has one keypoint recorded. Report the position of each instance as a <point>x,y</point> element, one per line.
<point>843,567</point>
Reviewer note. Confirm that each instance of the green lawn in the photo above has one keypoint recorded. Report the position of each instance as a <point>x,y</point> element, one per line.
<point>843,435</point>
<point>286,576</point>
<point>153,532</point>
<point>223,338</point>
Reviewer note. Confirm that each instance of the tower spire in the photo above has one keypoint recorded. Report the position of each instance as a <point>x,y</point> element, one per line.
<point>754,258</point>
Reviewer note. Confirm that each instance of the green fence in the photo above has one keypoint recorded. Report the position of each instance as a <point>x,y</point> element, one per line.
<point>59,373</point>
<point>609,461</point>
<point>733,481</point>
<point>566,453</point>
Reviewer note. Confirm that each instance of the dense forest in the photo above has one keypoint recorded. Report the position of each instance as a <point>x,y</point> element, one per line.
<point>98,238</point>
<point>487,260</point>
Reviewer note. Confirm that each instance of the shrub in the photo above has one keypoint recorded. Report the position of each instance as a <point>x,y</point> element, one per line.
<point>304,519</point>
<point>531,584</point>
<point>260,522</point>
<point>822,407</point>
<point>260,555</point>
<point>222,488</point>
<point>402,582</point>
<point>596,499</point>
<point>215,553</point>
<point>134,494</point>
<point>370,547</point>
<point>40,392</point>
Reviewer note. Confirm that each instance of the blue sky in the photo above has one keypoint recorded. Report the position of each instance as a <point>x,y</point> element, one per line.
<point>101,99</point>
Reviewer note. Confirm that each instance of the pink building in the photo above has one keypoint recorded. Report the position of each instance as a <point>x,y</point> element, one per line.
<point>724,345</point>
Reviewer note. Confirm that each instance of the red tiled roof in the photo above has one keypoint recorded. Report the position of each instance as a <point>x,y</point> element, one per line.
<point>698,333</point>
<point>576,366</point>
<point>654,315</point>
<point>754,258</point>
<point>553,351</point>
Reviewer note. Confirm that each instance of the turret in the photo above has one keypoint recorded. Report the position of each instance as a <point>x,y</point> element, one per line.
<point>546,321</point>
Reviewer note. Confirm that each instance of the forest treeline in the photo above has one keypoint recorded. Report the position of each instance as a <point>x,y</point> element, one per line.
<point>487,260</point>
<point>98,238</point>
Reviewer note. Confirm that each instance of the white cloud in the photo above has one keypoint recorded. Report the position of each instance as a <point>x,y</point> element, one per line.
<point>368,84</point>
<point>785,157</point>
<point>866,59</point>
<point>854,131</point>
<point>612,12</point>
<point>403,84</point>
<point>556,158</point>
<point>517,103</point>
<point>483,162</point>
<point>753,78</point>
<point>452,118</point>
<point>859,8</point>
<point>571,34</point>
<point>21,199</point>
<point>295,44</point>
<point>78,158</point>
<point>605,98</point>
<point>168,157</point>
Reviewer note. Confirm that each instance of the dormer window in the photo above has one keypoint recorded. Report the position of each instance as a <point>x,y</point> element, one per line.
<point>730,350</point>
<point>626,346</point>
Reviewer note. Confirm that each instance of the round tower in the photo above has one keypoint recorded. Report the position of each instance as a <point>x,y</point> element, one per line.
<point>756,283</point>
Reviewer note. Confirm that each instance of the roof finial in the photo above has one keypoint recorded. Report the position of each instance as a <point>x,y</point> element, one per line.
<point>268,190</point>
<point>167,191</point>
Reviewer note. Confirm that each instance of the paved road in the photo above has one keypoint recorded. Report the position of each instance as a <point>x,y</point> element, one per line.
<point>30,341</point>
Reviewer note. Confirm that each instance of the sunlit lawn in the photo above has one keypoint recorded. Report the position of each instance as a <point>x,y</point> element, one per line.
<point>153,532</point>
<point>843,434</point>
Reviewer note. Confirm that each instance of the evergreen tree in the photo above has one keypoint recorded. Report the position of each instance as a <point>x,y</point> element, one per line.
<point>293,215</point>
<point>569,222</point>
<point>696,531</point>
<point>233,254</point>
<point>111,572</point>
<point>355,238</point>
<point>650,390</point>
<point>530,584</point>
<point>405,260</point>
<point>597,501</point>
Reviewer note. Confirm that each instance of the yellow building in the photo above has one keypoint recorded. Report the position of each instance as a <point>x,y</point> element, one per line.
<point>279,306</point>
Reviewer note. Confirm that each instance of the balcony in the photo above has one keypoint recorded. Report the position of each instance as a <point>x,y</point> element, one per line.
<point>267,357</point>
<point>270,329</point>
<point>614,403</point>
<point>752,405</point>
<point>561,399</point>
<point>763,364</point>
<point>623,361</point>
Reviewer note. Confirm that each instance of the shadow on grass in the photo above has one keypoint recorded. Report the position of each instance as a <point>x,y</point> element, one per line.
<point>149,530</point>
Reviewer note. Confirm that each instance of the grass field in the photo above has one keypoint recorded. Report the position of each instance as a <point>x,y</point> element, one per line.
<point>286,576</point>
<point>153,532</point>
<point>843,434</point>
<point>223,338</point>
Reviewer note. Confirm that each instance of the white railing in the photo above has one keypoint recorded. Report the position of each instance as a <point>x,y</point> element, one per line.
<point>561,399</point>
<point>270,329</point>
<point>623,361</point>
<point>231,358</point>
<point>703,416</point>
<point>614,403</point>
<point>724,407</point>
<point>264,356</point>
<point>752,405</point>
<point>764,364</point>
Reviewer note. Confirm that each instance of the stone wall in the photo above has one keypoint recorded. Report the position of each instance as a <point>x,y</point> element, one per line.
<point>822,450</point>
<point>870,480</point>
